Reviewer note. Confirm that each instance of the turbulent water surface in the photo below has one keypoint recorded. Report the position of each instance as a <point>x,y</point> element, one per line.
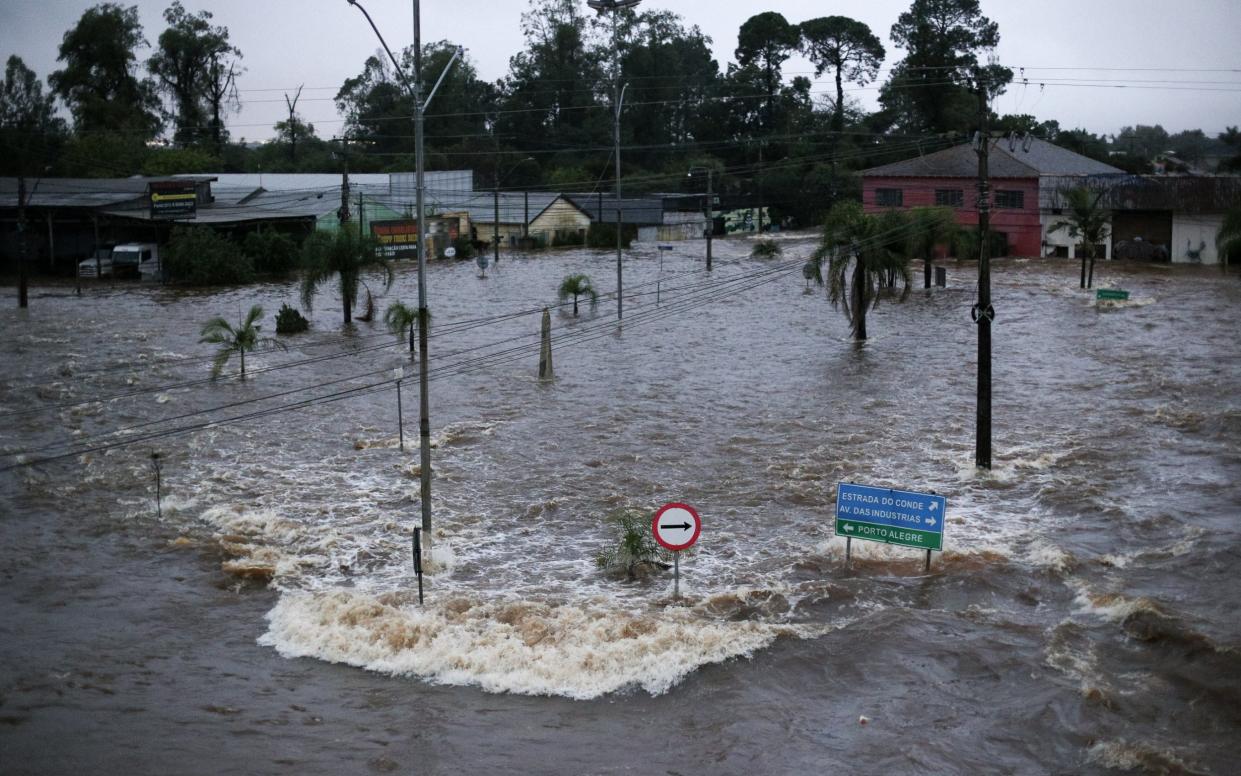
<point>1081,619</point>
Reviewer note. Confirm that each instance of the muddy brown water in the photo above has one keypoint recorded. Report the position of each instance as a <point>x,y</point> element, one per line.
<point>1081,620</point>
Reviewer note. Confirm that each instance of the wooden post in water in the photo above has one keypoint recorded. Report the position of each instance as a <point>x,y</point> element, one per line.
<point>545,349</point>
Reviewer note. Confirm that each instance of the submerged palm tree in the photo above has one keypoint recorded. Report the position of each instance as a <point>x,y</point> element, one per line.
<point>243,338</point>
<point>1085,221</point>
<point>1228,241</point>
<point>401,318</point>
<point>344,256</point>
<point>575,286</point>
<point>931,227</point>
<point>864,252</point>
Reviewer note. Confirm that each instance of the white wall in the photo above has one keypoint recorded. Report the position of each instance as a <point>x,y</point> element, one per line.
<point>1196,234</point>
<point>1060,238</point>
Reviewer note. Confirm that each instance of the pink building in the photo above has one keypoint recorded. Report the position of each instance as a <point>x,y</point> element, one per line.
<point>949,178</point>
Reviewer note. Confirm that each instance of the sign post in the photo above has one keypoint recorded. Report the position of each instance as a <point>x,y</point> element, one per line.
<point>900,517</point>
<point>676,527</point>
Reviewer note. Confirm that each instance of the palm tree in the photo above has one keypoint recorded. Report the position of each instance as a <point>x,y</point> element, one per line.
<point>1228,241</point>
<point>245,337</point>
<point>864,252</point>
<point>1085,221</point>
<point>932,226</point>
<point>400,318</point>
<point>345,256</point>
<point>575,286</point>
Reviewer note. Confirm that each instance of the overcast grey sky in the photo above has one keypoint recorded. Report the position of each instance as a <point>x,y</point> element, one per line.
<point>320,43</point>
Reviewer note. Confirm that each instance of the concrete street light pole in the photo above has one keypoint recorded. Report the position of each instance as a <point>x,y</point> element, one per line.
<point>616,6</point>
<point>420,108</point>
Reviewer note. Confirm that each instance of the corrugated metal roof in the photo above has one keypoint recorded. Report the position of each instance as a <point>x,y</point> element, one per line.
<point>481,204</point>
<point>1019,158</point>
<point>1182,194</point>
<point>79,192</point>
<point>644,211</point>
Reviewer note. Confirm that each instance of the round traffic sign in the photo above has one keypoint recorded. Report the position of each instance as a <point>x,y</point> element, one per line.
<point>676,526</point>
<point>450,252</point>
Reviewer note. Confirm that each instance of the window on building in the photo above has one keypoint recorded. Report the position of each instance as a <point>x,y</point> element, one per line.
<point>949,198</point>
<point>1010,200</point>
<point>889,197</point>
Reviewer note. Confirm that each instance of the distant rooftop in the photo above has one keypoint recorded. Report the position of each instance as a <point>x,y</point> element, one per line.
<point>1027,157</point>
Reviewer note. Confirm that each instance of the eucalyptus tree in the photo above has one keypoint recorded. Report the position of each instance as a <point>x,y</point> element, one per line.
<point>343,257</point>
<point>240,339</point>
<point>1085,221</point>
<point>846,47</point>
<point>29,128</point>
<point>862,252</point>
<point>99,81</point>
<point>195,66</point>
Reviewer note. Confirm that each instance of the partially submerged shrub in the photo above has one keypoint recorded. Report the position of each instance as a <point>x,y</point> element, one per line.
<point>766,249</point>
<point>633,553</point>
<point>290,321</point>
<point>200,256</point>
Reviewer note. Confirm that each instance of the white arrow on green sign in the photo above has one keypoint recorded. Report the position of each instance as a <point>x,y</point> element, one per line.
<point>890,516</point>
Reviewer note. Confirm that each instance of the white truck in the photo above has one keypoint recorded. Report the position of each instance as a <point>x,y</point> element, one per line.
<point>140,260</point>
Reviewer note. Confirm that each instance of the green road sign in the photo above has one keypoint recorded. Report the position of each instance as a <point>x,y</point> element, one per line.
<point>1111,294</point>
<point>905,537</point>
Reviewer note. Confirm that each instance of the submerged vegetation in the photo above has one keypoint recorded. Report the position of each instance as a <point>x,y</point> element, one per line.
<point>766,249</point>
<point>633,552</point>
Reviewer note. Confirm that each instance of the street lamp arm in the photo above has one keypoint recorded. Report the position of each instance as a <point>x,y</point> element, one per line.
<point>379,35</point>
<point>455,56</point>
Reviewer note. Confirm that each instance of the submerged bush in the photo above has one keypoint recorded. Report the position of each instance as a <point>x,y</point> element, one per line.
<point>766,249</point>
<point>634,553</point>
<point>272,253</point>
<point>200,256</point>
<point>290,321</point>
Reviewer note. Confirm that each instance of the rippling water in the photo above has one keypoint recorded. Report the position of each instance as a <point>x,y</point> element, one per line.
<point>1083,615</point>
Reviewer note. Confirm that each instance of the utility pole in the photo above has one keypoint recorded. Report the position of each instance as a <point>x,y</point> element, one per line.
<point>709,210</point>
<point>495,232</point>
<point>22,301</point>
<point>983,312</point>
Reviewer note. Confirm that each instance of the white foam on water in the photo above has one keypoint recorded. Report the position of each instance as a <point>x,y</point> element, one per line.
<point>579,651</point>
<point>1112,607</point>
<point>1123,755</point>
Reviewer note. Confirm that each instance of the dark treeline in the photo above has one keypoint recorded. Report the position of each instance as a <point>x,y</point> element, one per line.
<point>138,107</point>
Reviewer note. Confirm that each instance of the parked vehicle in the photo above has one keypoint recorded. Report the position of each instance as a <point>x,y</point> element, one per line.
<point>136,260</point>
<point>98,265</point>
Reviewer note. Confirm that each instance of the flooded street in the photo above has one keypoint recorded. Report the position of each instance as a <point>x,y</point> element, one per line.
<point>1082,619</point>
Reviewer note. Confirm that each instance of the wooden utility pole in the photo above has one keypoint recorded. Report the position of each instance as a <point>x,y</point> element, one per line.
<point>22,301</point>
<point>983,312</point>
<point>495,230</point>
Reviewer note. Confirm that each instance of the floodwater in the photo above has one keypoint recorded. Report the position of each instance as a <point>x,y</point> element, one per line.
<point>1082,619</point>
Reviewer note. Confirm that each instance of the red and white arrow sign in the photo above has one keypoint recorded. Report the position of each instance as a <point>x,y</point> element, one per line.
<point>676,526</point>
